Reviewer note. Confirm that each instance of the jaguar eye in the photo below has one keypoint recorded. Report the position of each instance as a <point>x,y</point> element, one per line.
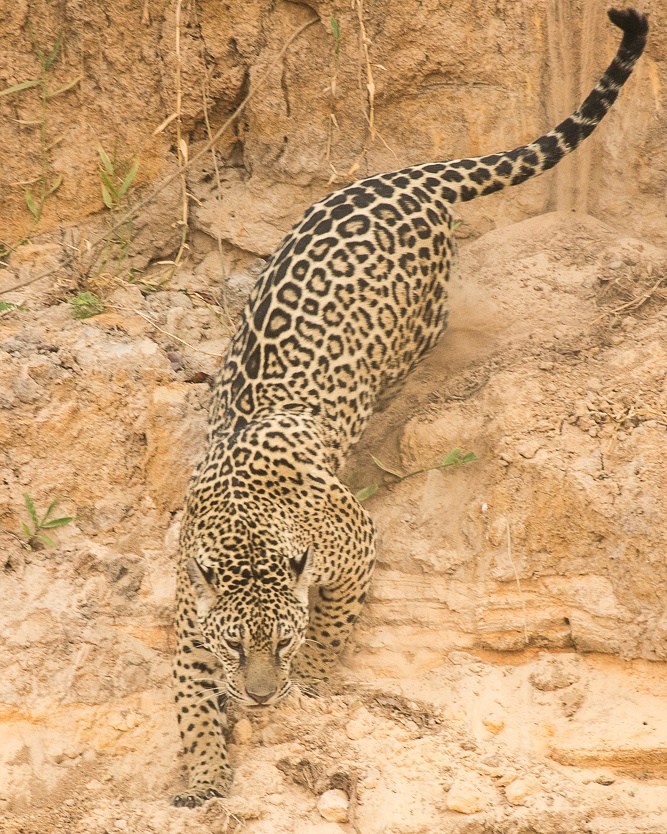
<point>233,643</point>
<point>284,643</point>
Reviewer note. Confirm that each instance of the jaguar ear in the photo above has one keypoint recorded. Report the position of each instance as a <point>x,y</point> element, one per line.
<point>302,570</point>
<point>200,579</point>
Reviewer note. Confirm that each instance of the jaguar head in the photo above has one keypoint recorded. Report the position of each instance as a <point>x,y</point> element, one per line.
<point>254,619</point>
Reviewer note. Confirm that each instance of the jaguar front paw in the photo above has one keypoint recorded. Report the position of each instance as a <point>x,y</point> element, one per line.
<point>200,793</point>
<point>196,797</point>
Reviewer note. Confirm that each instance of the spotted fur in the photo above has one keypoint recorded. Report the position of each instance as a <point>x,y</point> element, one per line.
<point>276,553</point>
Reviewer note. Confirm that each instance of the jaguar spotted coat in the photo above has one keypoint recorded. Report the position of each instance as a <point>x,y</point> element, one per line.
<point>276,554</point>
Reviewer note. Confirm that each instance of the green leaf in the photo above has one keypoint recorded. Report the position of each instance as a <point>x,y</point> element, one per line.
<point>366,492</point>
<point>31,509</point>
<point>50,509</point>
<point>109,184</point>
<point>108,202</point>
<point>385,468</point>
<point>54,51</point>
<point>8,305</point>
<point>86,304</point>
<point>57,522</point>
<point>55,185</point>
<point>64,89</point>
<point>127,182</point>
<point>30,202</point>
<point>452,458</point>
<point>24,85</point>
<point>48,541</point>
<point>26,529</point>
<point>457,458</point>
<point>105,160</point>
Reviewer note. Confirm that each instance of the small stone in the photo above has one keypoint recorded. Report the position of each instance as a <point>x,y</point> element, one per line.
<point>242,732</point>
<point>529,449</point>
<point>174,361</point>
<point>27,390</point>
<point>506,777</point>
<point>121,825</point>
<point>333,805</point>
<point>464,798</point>
<point>520,789</point>
<point>94,785</point>
<point>69,802</point>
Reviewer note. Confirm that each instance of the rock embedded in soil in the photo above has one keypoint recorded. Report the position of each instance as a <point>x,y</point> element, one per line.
<point>520,789</point>
<point>465,797</point>
<point>333,806</point>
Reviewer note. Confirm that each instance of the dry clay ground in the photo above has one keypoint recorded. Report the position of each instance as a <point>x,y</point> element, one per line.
<point>508,674</point>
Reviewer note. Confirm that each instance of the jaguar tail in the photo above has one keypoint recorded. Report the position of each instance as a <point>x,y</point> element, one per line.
<point>465,179</point>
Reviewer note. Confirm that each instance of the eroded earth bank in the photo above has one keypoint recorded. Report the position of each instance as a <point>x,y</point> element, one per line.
<point>506,674</point>
<point>509,672</point>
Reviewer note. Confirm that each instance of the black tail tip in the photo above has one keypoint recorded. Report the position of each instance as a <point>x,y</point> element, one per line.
<point>632,22</point>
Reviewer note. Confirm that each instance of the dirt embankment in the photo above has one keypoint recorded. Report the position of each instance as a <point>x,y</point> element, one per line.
<point>508,673</point>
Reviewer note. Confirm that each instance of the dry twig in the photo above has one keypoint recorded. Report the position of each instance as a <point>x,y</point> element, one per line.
<point>518,584</point>
<point>166,332</point>
<point>632,288</point>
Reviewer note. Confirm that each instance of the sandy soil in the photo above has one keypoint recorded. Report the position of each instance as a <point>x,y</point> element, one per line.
<point>508,675</point>
<point>496,683</point>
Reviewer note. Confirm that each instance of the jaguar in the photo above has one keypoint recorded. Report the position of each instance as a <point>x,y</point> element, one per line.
<point>276,554</point>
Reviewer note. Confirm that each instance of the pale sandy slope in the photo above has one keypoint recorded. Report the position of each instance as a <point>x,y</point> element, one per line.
<point>442,720</point>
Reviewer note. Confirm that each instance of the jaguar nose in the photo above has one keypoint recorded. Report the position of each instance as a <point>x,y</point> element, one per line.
<point>261,696</point>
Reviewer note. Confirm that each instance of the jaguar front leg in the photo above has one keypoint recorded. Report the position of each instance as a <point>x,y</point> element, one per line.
<point>333,611</point>
<point>200,694</point>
